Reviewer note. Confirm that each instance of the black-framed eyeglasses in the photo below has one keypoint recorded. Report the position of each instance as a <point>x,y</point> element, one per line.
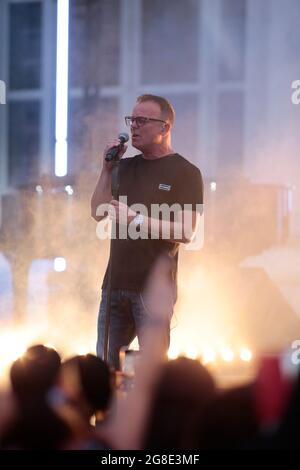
<point>140,120</point>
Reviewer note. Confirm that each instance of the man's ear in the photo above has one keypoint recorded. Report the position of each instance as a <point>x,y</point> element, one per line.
<point>165,128</point>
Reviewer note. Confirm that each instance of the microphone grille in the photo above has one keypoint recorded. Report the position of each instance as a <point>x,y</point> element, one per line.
<point>123,137</point>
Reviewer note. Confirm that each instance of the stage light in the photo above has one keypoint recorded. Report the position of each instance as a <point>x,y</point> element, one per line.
<point>13,344</point>
<point>11,349</point>
<point>227,355</point>
<point>69,190</point>
<point>191,353</point>
<point>61,111</point>
<point>2,92</point>
<point>173,353</point>
<point>213,186</point>
<point>59,265</point>
<point>50,346</point>
<point>245,354</point>
<point>82,350</point>
<point>208,355</point>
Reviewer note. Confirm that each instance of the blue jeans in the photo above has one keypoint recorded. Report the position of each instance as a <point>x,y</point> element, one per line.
<point>128,318</point>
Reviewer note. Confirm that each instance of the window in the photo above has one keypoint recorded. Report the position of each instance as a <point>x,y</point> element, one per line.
<point>23,141</point>
<point>185,134</point>
<point>94,67</point>
<point>90,124</point>
<point>94,42</point>
<point>232,40</point>
<point>169,52</point>
<point>24,109</point>
<point>25,46</point>
<point>230,88</point>
<point>230,140</point>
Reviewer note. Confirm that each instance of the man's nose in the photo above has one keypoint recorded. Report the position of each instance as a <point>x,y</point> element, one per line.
<point>133,124</point>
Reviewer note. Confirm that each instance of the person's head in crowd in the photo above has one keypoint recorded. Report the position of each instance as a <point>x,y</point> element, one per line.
<point>35,424</point>
<point>230,420</point>
<point>182,393</point>
<point>33,374</point>
<point>87,383</point>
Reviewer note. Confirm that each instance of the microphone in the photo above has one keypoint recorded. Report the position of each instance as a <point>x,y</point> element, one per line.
<point>113,152</point>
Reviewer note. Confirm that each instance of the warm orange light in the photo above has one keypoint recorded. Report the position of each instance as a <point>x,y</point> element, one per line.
<point>208,355</point>
<point>245,354</point>
<point>173,352</point>
<point>227,354</point>
<point>191,352</point>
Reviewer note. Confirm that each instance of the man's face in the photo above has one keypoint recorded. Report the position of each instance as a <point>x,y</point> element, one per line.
<point>151,132</point>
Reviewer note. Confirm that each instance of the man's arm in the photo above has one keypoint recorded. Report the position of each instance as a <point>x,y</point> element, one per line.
<point>182,230</point>
<point>102,193</point>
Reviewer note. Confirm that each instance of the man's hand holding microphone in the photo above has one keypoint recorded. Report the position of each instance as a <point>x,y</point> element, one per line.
<point>114,150</point>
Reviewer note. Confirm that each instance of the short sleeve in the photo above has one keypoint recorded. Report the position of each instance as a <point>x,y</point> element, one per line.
<point>190,191</point>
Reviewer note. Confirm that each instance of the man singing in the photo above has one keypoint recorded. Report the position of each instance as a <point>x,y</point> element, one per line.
<point>155,178</point>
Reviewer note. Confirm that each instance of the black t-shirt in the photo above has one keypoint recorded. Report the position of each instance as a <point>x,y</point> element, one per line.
<point>170,179</point>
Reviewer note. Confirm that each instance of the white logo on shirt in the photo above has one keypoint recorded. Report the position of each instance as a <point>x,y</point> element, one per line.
<point>164,187</point>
